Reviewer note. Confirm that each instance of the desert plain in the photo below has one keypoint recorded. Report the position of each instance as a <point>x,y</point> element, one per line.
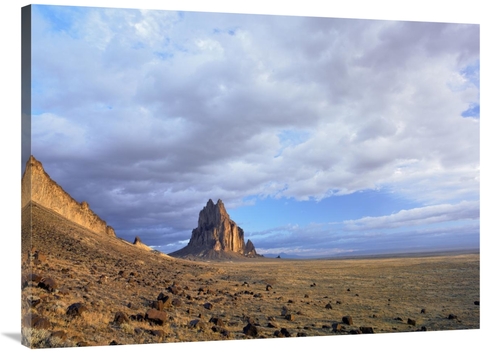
<point>84,289</point>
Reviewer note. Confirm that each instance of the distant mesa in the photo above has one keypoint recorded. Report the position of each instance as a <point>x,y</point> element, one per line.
<point>216,237</point>
<point>37,187</point>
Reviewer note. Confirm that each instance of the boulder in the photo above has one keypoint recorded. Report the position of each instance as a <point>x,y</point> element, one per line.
<point>365,329</point>
<point>250,330</point>
<point>49,284</point>
<point>120,318</point>
<point>347,320</point>
<point>197,324</point>
<point>156,317</point>
<point>76,309</point>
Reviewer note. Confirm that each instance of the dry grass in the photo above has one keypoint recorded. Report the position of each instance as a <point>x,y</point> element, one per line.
<point>109,276</point>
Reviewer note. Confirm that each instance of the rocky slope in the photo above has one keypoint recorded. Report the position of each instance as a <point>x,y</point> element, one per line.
<point>216,237</point>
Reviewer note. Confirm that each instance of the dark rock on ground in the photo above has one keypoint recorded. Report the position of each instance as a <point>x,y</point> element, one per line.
<point>250,330</point>
<point>285,332</point>
<point>347,320</point>
<point>76,309</point>
<point>336,327</point>
<point>176,302</point>
<point>49,284</point>
<point>156,316</point>
<point>216,321</point>
<point>157,333</point>
<point>197,324</point>
<point>158,305</point>
<point>120,318</point>
<point>412,322</point>
<point>365,329</point>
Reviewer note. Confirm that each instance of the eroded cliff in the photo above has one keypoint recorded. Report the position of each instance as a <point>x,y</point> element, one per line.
<point>37,186</point>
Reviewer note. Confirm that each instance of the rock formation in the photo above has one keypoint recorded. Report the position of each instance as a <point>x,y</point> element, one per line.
<point>38,187</point>
<point>250,250</point>
<point>217,236</point>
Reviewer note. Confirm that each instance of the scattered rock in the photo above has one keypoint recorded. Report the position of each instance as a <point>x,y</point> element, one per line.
<point>221,330</point>
<point>423,311</point>
<point>290,317</point>
<point>175,290</point>
<point>158,305</point>
<point>476,302</point>
<point>138,317</point>
<point>336,327</point>
<point>277,333</point>
<point>285,332</point>
<point>250,330</point>
<point>197,324</point>
<point>33,301</point>
<point>49,284</point>
<point>452,317</point>
<point>301,334</point>
<point>216,321</point>
<point>329,306</point>
<point>355,332</point>
<point>176,302</point>
<point>365,329</point>
<point>412,322</point>
<point>155,316</point>
<point>347,320</point>
<point>76,309</point>
<point>156,333</point>
<point>269,287</point>
<point>208,306</point>
<point>120,318</point>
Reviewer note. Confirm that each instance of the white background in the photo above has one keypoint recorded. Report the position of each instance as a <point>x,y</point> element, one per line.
<point>480,12</point>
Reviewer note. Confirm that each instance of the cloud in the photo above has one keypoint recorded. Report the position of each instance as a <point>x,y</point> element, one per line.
<point>418,216</point>
<point>147,114</point>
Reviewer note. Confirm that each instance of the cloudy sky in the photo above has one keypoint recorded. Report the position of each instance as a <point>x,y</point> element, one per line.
<point>322,136</point>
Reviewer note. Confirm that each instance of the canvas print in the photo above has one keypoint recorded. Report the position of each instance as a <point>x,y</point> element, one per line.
<point>194,176</point>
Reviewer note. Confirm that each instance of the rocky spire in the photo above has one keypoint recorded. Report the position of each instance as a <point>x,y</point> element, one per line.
<point>216,235</point>
<point>216,230</point>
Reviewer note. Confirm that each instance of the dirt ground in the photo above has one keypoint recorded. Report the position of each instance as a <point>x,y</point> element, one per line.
<point>116,284</point>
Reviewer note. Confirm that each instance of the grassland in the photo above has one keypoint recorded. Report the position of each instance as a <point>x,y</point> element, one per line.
<point>117,284</point>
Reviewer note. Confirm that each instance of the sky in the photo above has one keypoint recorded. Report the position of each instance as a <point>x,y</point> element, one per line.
<point>322,136</point>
